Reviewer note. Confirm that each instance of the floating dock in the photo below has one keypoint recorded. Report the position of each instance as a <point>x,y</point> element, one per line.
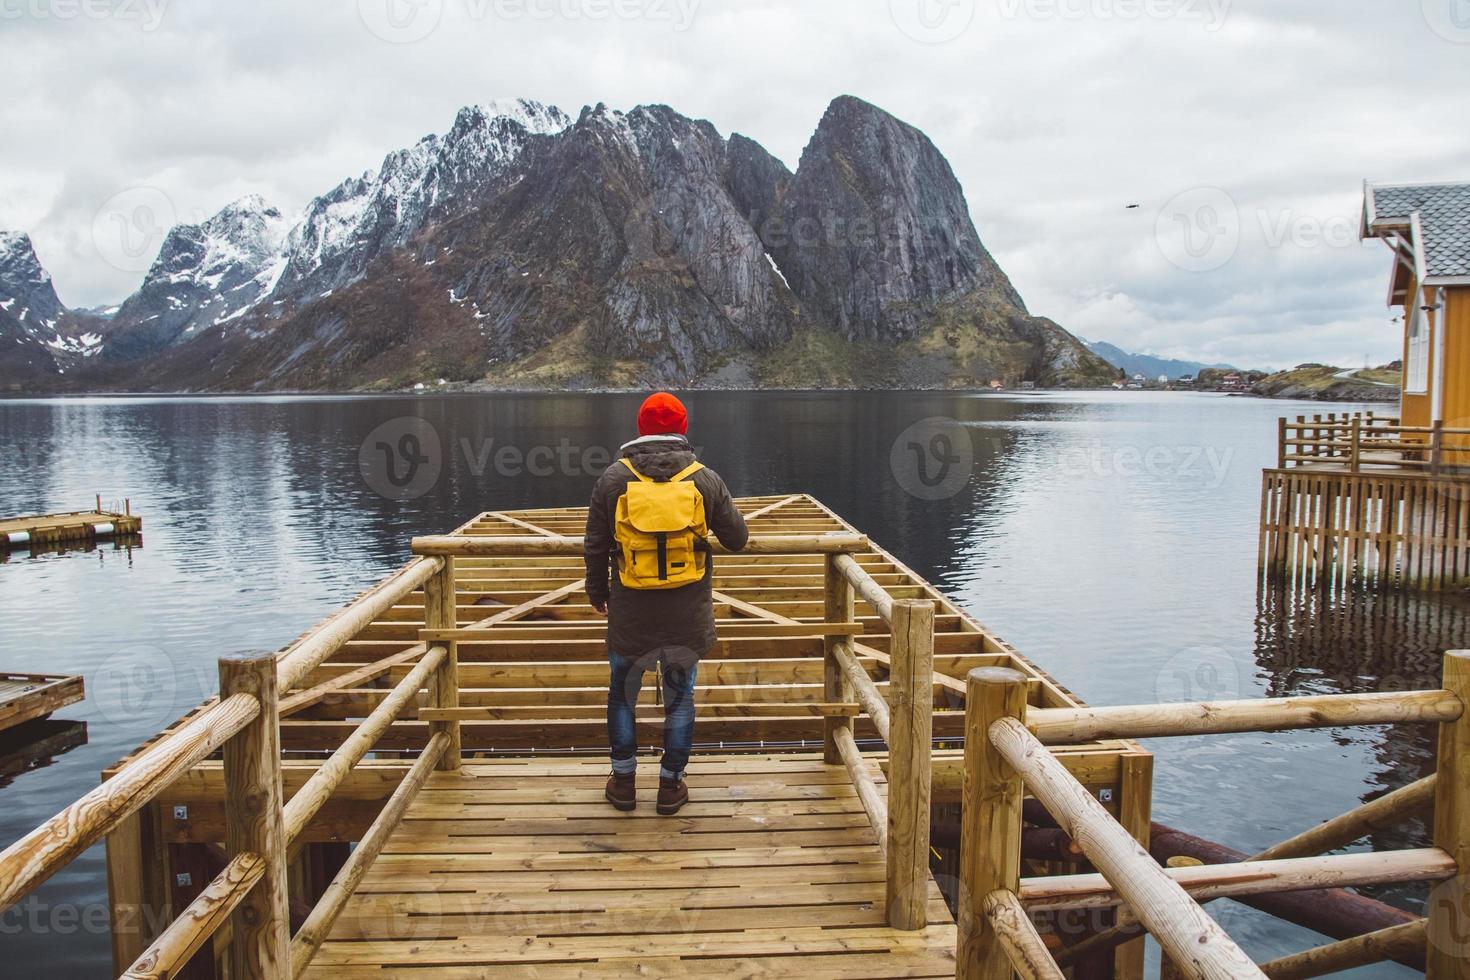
<point>847,709</point>
<point>26,697</point>
<point>44,530</point>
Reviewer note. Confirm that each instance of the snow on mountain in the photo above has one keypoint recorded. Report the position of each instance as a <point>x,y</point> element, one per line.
<point>26,292</point>
<point>205,274</point>
<point>346,228</point>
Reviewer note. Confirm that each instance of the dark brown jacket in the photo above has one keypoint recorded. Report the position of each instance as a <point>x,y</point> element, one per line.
<point>642,620</point>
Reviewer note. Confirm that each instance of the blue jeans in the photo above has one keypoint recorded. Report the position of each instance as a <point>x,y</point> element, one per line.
<point>680,666</point>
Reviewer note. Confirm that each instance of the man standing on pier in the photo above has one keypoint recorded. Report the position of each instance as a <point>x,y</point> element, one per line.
<point>650,515</point>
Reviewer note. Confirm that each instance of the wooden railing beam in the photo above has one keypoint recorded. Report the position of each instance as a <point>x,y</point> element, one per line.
<point>196,925</point>
<point>1194,942</point>
<point>990,842</point>
<point>318,924</point>
<point>441,612</point>
<point>471,546</point>
<point>253,822</point>
<point>1074,726</point>
<point>27,863</point>
<point>1446,909</point>
<point>911,702</point>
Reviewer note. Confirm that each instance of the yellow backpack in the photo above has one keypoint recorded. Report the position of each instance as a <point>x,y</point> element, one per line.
<point>660,530</point>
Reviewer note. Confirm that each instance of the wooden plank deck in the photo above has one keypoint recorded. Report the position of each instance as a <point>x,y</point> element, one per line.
<point>25,697</point>
<point>771,870</point>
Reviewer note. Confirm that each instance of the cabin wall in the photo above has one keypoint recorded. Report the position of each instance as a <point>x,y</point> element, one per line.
<point>1456,320</point>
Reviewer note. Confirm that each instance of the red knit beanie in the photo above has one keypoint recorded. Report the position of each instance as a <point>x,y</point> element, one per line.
<point>662,414</point>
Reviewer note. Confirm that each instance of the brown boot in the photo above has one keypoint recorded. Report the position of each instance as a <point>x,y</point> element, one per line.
<point>672,794</point>
<point>622,791</point>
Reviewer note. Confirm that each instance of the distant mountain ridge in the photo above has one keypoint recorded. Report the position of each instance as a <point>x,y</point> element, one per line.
<point>1150,365</point>
<point>525,248</point>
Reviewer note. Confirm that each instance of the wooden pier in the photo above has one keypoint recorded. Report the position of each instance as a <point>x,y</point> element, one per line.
<point>26,697</point>
<point>846,704</point>
<point>47,530</point>
<point>1361,499</point>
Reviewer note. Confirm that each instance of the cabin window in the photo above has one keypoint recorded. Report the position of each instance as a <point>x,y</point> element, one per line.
<point>1416,369</point>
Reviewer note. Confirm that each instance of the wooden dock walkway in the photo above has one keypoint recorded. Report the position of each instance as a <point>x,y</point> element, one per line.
<point>771,870</point>
<point>847,709</point>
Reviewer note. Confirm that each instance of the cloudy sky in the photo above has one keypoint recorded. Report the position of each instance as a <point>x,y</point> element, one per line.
<point>1243,129</point>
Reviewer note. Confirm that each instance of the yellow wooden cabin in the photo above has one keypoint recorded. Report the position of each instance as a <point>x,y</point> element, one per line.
<point>1428,228</point>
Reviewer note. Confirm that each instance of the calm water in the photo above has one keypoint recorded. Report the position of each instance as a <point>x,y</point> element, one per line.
<point>1110,537</point>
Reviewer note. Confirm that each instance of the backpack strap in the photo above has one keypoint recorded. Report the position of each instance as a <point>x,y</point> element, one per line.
<point>634,470</point>
<point>686,472</point>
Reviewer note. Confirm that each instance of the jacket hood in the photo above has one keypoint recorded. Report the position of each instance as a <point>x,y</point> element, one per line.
<point>659,457</point>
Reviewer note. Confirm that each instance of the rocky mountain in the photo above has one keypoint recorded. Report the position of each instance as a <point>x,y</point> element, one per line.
<point>206,275</point>
<point>523,248</point>
<point>39,338</point>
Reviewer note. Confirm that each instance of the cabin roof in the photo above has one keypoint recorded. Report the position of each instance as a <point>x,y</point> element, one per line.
<point>1431,220</point>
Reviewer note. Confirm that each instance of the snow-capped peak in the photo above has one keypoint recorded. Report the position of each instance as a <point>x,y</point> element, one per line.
<point>24,283</point>
<point>344,229</point>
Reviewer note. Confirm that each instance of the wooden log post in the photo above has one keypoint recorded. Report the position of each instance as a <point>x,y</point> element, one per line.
<point>911,727</point>
<point>1356,452</point>
<point>1448,948</point>
<point>836,688</point>
<point>441,612</point>
<point>990,846</point>
<point>254,822</point>
<point>1281,443</point>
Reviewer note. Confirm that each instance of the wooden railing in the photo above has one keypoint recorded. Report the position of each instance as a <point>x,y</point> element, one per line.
<point>1359,441</point>
<point>244,724</point>
<point>1006,756</point>
<point>904,721</point>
